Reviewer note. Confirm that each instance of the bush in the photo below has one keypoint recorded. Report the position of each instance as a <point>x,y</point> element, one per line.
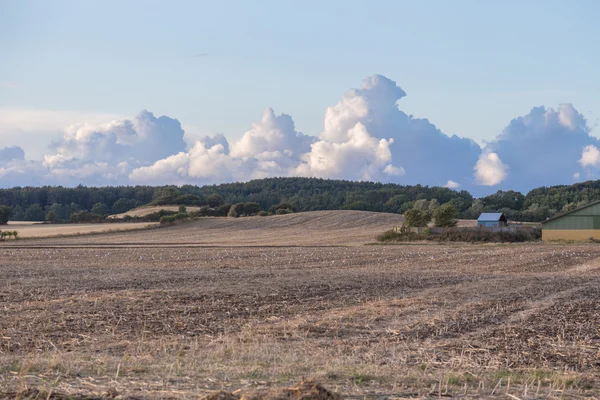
<point>9,234</point>
<point>463,235</point>
<point>86,216</point>
<point>223,211</point>
<point>244,210</point>
<point>283,211</point>
<point>263,213</point>
<point>282,206</point>
<point>171,219</point>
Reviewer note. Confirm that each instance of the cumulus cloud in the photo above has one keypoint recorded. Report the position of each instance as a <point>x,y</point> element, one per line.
<point>543,148</point>
<point>107,153</point>
<point>490,170</point>
<point>366,136</point>
<point>360,156</point>
<point>420,152</point>
<point>272,147</point>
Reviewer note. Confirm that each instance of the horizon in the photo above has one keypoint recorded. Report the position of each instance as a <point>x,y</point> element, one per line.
<point>483,99</point>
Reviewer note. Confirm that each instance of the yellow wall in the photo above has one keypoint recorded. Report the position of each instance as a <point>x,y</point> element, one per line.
<point>570,234</point>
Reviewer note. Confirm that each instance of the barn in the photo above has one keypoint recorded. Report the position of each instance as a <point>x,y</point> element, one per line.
<point>582,223</point>
<point>492,220</point>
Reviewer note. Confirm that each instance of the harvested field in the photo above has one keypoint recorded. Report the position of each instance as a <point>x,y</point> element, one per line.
<point>302,229</point>
<point>472,321</point>
<point>39,230</point>
<point>143,211</point>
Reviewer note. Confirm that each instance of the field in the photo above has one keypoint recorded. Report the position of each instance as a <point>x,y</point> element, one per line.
<point>39,230</point>
<point>257,302</point>
<point>143,211</point>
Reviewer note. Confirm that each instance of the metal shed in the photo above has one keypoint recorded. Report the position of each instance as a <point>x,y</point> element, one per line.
<point>492,220</point>
<point>582,223</point>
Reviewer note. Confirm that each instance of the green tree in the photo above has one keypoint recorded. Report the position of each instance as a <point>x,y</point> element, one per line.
<point>416,218</point>
<point>51,217</point>
<point>421,205</point>
<point>445,216</point>
<point>35,213</point>
<point>100,209</point>
<point>123,205</point>
<point>4,214</point>
<point>433,205</point>
<point>214,200</point>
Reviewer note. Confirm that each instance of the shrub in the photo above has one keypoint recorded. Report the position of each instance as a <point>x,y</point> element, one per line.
<point>282,206</point>
<point>463,235</point>
<point>244,210</point>
<point>282,211</point>
<point>234,211</point>
<point>9,234</point>
<point>263,213</point>
<point>171,219</point>
<point>182,209</point>
<point>223,211</point>
<point>86,216</point>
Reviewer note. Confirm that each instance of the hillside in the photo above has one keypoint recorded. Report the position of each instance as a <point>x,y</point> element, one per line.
<point>145,210</point>
<point>316,228</point>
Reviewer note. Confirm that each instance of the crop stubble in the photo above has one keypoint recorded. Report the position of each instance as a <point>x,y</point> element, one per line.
<point>363,319</point>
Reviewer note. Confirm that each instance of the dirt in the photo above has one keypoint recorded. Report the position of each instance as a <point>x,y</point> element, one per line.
<point>137,313</point>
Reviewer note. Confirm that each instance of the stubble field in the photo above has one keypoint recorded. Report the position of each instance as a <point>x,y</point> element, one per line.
<point>258,302</point>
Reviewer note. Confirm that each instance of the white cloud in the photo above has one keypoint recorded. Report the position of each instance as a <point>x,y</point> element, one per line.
<point>361,156</point>
<point>490,170</point>
<point>108,152</point>
<point>452,185</point>
<point>590,157</point>
<point>272,147</point>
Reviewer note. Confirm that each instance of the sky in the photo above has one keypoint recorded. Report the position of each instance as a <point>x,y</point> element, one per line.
<point>469,94</point>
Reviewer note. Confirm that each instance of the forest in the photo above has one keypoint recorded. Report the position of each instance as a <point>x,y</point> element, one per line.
<point>59,204</point>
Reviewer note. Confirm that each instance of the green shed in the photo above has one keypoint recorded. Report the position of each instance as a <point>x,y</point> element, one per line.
<point>582,223</point>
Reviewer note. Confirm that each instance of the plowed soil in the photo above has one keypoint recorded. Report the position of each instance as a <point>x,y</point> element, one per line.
<point>240,307</point>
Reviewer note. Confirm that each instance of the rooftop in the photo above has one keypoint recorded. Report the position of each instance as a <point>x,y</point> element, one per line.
<point>490,217</point>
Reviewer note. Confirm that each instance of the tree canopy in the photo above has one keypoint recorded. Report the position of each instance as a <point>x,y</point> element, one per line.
<point>301,194</point>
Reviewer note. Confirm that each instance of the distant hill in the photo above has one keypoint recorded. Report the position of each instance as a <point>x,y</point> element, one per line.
<point>305,194</point>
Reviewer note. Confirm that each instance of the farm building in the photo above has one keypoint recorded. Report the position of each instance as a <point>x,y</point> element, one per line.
<point>492,220</point>
<point>582,223</point>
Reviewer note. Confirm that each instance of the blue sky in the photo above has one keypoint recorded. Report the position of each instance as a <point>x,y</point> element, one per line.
<point>469,67</point>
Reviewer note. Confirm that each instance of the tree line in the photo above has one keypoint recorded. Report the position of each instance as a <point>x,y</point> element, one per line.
<point>59,204</point>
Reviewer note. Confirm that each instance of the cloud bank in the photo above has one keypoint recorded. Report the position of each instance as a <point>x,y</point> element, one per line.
<point>543,148</point>
<point>365,136</point>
